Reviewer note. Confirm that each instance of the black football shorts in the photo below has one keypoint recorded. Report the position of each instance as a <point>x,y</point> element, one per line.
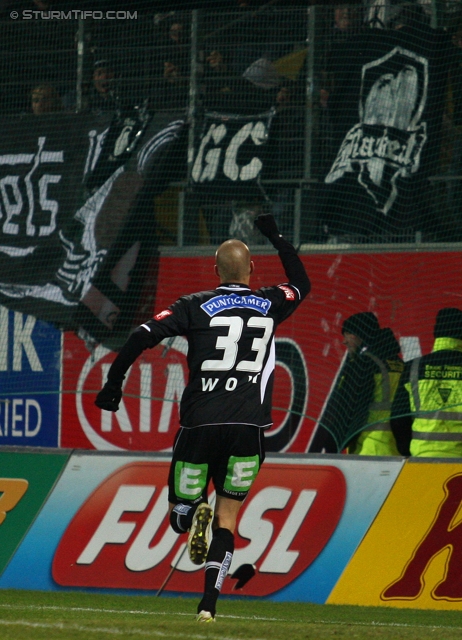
<point>229,455</point>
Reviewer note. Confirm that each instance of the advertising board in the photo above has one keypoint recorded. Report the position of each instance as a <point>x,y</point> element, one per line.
<point>26,480</point>
<point>412,555</point>
<point>403,289</point>
<point>30,380</point>
<point>106,527</point>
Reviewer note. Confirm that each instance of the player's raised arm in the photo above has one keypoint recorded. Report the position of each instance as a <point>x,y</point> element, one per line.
<point>293,266</point>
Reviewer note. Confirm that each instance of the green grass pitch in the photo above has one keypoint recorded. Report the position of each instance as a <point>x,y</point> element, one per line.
<point>89,616</point>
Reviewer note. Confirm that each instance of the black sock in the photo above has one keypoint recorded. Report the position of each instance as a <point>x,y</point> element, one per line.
<point>181,517</point>
<point>217,565</point>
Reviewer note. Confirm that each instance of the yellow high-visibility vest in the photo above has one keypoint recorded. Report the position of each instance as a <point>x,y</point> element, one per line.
<point>436,402</point>
<point>377,438</point>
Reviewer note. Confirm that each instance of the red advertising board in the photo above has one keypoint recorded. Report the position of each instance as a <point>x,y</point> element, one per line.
<point>120,537</point>
<point>404,290</point>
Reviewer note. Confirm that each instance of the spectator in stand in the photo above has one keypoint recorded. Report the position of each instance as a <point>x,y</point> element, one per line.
<point>426,415</point>
<point>357,412</point>
<point>174,71</point>
<point>102,95</point>
<point>225,90</point>
<point>346,22</point>
<point>45,99</point>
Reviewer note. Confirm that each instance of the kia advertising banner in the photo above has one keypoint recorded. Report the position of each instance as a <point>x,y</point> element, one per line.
<point>25,482</point>
<point>30,380</point>
<point>403,289</point>
<point>412,555</point>
<point>106,527</point>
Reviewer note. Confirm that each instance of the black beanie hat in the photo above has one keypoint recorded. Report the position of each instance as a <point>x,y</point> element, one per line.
<point>448,323</point>
<point>364,325</point>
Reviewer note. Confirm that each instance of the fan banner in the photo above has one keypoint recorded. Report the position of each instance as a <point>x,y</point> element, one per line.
<point>78,234</point>
<point>232,151</point>
<point>385,112</point>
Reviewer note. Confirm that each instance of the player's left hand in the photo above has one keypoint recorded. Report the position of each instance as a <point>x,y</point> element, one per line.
<point>266,224</point>
<point>109,397</point>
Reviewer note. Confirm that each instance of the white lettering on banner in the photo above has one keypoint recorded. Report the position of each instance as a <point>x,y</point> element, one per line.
<point>254,527</point>
<point>142,555</point>
<point>23,340</point>
<point>5,406</point>
<point>173,391</point>
<point>16,417</point>
<point>212,158</point>
<point>15,205</point>
<point>26,418</point>
<point>188,483</point>
<point>48,205</point>
<point>12,208</point>
<point>206,168</point>
<point>4,338</point>
<point>251,170</point>
<point>111,530</point>
<point>28,431</point>
<point>279,558</point>
<point>260,531</point>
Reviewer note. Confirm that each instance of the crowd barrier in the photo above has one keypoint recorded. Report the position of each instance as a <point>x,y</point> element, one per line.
<point>318,528</point>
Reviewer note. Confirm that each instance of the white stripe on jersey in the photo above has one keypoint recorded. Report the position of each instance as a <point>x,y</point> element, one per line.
<point>267,370</point>
<point>235,288</point>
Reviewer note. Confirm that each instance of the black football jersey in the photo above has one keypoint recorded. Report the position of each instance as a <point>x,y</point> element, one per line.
<point>231,354</point>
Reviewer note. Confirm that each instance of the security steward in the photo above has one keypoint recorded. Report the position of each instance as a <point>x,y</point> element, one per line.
<point>426,416</point>
<point>357,411</point>
<point>377,439</point>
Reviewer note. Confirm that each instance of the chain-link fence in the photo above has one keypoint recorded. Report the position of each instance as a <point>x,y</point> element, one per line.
<point>303,111</point>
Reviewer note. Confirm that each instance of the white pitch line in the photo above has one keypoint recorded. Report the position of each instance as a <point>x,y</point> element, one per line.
<point>36,607</point>
<point>372,623</point>
<point>33,607</point>
<point>111,630</point>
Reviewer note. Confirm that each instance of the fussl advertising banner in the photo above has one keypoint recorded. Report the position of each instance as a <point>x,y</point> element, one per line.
<point>405,291</point>
<point>105,526</point>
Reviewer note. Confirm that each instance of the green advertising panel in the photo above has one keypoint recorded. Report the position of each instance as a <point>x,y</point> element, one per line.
<point>26,479</point>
